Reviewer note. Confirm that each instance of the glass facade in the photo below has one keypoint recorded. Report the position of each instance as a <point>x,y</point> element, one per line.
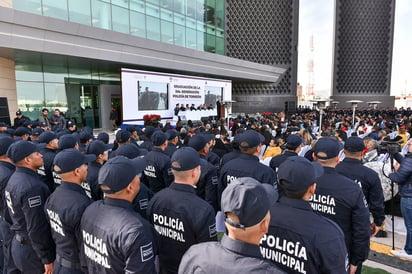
<point>195,24</point>
<point>69,84</point>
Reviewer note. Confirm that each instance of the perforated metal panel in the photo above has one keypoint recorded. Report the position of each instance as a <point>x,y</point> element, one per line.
<point>265,32</point>
<point>363,47</point>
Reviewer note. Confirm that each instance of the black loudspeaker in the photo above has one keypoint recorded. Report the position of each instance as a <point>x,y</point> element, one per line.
<point>4,110</point>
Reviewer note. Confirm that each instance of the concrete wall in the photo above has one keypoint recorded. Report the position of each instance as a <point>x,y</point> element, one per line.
<point>8,84</point>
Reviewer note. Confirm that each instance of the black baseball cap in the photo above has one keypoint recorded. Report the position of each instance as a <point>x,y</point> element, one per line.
<point>97,147</point>
<point>172,133</point>
<point>67,141</point>
<point>185,158</point>
<point>5,143</point>
<point>37,131</point>
<point>70,159</point>
<point>119,172</point>
<point>159,138</point>
<point>299,172</point>
<point>20,150</point>
<point>85,136</point>
<point>250,138</point>
<point>198,141</point>
<point>18,112</point>
<point>294,140</point>
<point>129,150</point>
<point>354,144</point>
<point>103,136</point>
<point>20,131</point>
<point>249,200</point>
<point>122,136</point>
<point>328,146</point>
<point>47,136</point>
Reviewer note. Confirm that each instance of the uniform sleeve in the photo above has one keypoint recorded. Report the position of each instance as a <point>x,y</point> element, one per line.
<point>376,200</point>
<point>211,189</point>
<point>140,255</point>
<point>189,263</point>
<point>360,231</point>
<point>333,256</point>
<point>37,225</point>
<point>222,183</point>
<point>205,228</point>
<point>403,173</point>
<point>167,175</point>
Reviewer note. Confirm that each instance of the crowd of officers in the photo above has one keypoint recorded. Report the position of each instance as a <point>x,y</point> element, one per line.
<point>73,203</point>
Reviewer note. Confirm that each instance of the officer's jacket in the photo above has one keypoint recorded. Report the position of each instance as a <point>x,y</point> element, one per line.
<point>341,200</point>
<point>403,177</point>
<point>64,209</point>
<point>245,166</point>
<point>25,195</point>
<point>181,219</point>
<point>301,241</point>
<point>147,144</point>
<point>46,171</point>
<point>170,149</point>
<point>206,188</point>
<point>370,183</point>
<point>157,174</point>
<point>141,201</point>
<point>116,239</point>
<point>6,170</point>
<point>92,180</point>
<point>228,256</point>
<point>214,159</point>
<point>229,156</point>
<point>277,160</point>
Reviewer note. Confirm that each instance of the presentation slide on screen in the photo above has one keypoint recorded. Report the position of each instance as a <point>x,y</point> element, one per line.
<point>146,92</point>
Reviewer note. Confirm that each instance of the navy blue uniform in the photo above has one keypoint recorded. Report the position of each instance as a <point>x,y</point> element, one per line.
<point>170,149</point>
<point>341,200</point>
<point>206,188</point>
<point>181,219</point>
<point>141,201</point>
<point>214,159</point>
<point>157,174</point>
<point>33,245</point>
<point>245,166</point>
<point>6,235</point>
<point>64,209</point>
<point>92,180</point>
<point>277,160</point>
<point>46,171</point>
<point>229,156</point>
<point>116,239</point>
<point>301,241</point>
<point>147,144</point>
<point>228,256</point>
<point>370,183</point>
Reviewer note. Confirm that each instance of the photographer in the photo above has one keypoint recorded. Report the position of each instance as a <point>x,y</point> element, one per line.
<point>403,177</point>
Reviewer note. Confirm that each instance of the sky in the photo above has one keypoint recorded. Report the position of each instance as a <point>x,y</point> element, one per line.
<point>316,18</point>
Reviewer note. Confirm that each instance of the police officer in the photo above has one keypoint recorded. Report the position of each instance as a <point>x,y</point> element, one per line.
<point>64,209</point>
<point>173,142</point>
<point>101,151</point>
<point>50,141</point>
<point>246,205</point>
<point>157,174</point>
<point>293,146</point>
<point>32,248</point>
<point>85,138</point>
<point>147,138</point>
<point>68,141</point>
<point>7,168</point>
<point>180,217</point>
<point>142,199</point>
<point>20,119</point>
<point>115,238</point>
<point>206,188</point>
<point>318,243</point>
<point>341,200</point>
<point>367,179</point>
<point>247,164</point>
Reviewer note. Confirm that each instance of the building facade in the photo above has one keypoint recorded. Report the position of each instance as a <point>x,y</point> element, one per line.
<point>363,46</point>
<point>68,54</point>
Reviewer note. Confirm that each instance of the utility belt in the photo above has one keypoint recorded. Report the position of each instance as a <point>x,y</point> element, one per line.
<point>67,264</point>
<point>24,240</point>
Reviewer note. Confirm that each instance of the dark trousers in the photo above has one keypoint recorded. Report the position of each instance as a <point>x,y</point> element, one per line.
<point>59,269</point>
<point>6,236</point>
<point>25,258</point>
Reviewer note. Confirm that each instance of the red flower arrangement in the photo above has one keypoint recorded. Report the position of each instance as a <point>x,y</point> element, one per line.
<point>151,118</point>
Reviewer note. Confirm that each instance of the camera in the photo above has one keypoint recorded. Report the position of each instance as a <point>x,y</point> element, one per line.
<point>391,147</point>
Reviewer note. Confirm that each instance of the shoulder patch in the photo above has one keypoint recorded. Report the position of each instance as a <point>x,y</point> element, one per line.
<point>146,252</point>
<point>34,201</point>
<point>143,203</point>
<point>212,231</point>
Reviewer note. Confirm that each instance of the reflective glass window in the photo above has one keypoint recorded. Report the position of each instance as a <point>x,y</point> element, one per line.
<point>55,96</point>
<point>191,38</point>
<point>101,15</point>
<point>79,12</point>
<point>166,14</point>
<point>200,10</point>
<point>57,74</point>
<point>191,9</point>
<point>156,2</point>
<point>153,28</point>
<point>179,6</point>
<point>200,38</point>
<point>76,73</point>
<point>220,45</point>
<point>138,24</point>
<point>32,6</point>
<point>29,72</point>
<point>180,35</point>
<point>138,5</point>
<point>56,9</point>
<point>152,10</point>
<point>167,32</point>
<point>120,19</point>
<point>121,3</point>
<point>210,43</point>
<point>30,97</point>
<point>180,19</point>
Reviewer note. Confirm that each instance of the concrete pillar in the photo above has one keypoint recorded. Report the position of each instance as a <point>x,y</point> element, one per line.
<point>8,84</point>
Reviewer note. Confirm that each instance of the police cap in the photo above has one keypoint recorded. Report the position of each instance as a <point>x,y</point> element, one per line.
<point>159,138</point>
<point>20,131</point>
<point>97,147</point>
<point>5,143</point>
<point>122,136</point>
<point>354,144</point>
<point>328,146</point>
<point>70,159</point>
<point>47,136</point>
<point>130,151</point>
<point>67,141</point>
<point>250,138</point>
<point>20,150</point>
<point>185,158</point>
<point>199,141</point>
